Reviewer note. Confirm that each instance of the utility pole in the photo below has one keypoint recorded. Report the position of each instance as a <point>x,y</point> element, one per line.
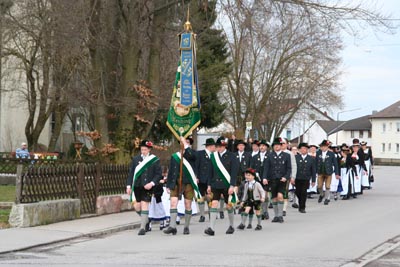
<point>5,5</point>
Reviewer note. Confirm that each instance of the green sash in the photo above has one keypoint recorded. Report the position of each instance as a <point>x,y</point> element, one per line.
<point>222,172</point>
<point>187,168</point>
<point>140,168</point>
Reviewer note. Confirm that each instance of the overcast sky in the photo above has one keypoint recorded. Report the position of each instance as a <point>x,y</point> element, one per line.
<point>371,66</point>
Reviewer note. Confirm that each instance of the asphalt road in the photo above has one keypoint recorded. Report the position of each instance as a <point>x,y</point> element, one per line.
<point>342,233</point>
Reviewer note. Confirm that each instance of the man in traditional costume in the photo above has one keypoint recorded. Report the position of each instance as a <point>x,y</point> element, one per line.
<point>306,171</point>
<point>144,174</point>
<point>187,187</point>
<point>277,171</point>
<point>222,182</point>
<point>204,172</point>
<point>327,164</point>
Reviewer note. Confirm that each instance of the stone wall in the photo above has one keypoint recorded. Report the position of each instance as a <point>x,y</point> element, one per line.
<point>46,212</point>
<point>112,204</point>
<point>7,179</point>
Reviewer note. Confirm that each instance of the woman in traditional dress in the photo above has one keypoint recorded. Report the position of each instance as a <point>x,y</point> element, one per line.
<point>369,162</point>
<point>345,166</point>
<point>358,168</point>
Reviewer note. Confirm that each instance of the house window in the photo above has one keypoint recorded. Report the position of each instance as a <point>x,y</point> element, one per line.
<point>369,134</point>
<point>361,134</point>
<point>397,148</point>
<point>352,134</point>
<point>289,134</point>
<point>383,127</point>
<point>390,127</point>
<point>383,147</point>
<point>398,127</point>
<point>390,147</point>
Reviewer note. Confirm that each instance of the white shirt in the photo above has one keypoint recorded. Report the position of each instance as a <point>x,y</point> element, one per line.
<point>222,153</point>
<point>240,155</point>
<point>262,155</point>
<point>279,152</point>
<point>304,156</point>
<point>324,154</point>
<point>254,153</point>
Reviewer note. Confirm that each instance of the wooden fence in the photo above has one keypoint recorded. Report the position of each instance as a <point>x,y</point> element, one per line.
<point>40,181</point>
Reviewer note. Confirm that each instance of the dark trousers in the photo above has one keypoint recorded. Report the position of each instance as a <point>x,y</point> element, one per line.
<point>301,192</point>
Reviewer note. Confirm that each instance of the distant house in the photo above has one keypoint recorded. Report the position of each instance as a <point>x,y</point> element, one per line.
<point>356,128</point>
<point>386,134</point>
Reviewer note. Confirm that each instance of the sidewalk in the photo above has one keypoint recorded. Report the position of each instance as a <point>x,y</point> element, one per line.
<point>15,239</point>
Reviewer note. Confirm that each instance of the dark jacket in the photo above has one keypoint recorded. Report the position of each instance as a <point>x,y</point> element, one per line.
<point>244,164</point>
<point>257,164</point>
<point>151,174</point>
<point>306,169</point>
<point>174,169</point>
<point>368,156</point>
<point>203,167</point>
<point>276,167</point>
<point>231,165</point>
<point>327,166</point>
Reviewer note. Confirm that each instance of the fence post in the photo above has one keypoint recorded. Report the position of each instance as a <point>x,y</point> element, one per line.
<point>97,181</point>
<point>81,178</point>
<point>18,184</point>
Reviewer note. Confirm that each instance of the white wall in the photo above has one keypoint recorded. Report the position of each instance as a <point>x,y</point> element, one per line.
<point>14,110</point>
<point>390,137</point>
<point>315,135</point>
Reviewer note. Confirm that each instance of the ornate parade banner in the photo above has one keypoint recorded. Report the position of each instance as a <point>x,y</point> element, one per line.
<point>184,111</point>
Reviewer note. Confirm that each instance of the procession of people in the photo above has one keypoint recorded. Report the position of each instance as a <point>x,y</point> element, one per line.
<point>244,178</point>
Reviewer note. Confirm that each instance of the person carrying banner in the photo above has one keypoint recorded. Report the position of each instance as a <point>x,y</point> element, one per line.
<point>277,171</point>
<point>222,182</point>
<point>145,172</point>
<point>189,185</point>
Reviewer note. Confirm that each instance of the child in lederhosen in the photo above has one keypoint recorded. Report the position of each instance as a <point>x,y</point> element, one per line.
<point>253,196</point>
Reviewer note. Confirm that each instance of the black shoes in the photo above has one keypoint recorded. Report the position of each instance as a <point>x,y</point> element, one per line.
<point>295,205</point>
<point>280,219</point>
<point>326,202</point>
<point>302,211</point>
<point>320,199</point>
<point>230,230</point>
<point>249,226</point>
<point>221,215</point>
<point>240,226</point>
<point>258,227</point>
<point>202,219</point>
<point>170,230</point>
<point>270,206</point>
<point>266,216</point>
<point>142,232</point>
<point>284,213</point>
<point>209,231</point>
<point>186,231</point>
<point>275,219</point>
<point>148,227</point>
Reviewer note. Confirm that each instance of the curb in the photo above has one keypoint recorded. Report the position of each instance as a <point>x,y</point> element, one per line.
<point>102,232</point>
<point>375,253</point>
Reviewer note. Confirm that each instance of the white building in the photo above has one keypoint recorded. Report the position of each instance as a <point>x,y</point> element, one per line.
<point>386,134</point>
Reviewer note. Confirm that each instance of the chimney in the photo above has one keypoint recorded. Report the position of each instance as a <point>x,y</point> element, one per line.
<point>374,112</point>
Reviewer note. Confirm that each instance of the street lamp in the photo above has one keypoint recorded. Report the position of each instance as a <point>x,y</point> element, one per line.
<point>337,120</point>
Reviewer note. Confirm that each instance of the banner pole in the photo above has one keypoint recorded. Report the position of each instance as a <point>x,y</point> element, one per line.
<point>182,146</point>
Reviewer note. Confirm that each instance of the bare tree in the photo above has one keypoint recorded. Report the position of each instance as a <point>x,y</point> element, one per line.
<point>284,54</point>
